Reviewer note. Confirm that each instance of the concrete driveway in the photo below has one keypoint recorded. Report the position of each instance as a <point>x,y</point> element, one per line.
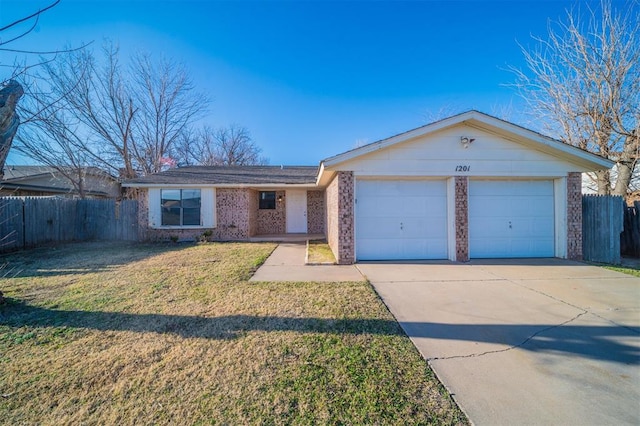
<point>523,341</point>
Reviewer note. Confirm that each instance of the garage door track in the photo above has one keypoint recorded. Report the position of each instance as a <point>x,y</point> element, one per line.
<point>523,341</point>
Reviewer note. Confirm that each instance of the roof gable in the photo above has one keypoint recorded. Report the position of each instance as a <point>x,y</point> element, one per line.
<point>475,119</point>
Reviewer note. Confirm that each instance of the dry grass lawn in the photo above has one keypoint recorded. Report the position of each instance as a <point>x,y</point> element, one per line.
<point>319,253</point>
<point>175,334</point>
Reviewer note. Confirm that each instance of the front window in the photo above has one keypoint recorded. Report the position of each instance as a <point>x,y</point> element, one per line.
<point>180,207</point>
<point>267,200</point>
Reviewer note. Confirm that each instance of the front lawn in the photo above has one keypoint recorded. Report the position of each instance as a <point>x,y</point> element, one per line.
<point>111,333</point>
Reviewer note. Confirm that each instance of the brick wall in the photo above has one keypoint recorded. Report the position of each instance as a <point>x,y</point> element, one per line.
<point>340,221</point>
<point>253,212</point>
<point>315,212</point>
<point>331,215</point>
<point>462,218</point>
<point>574,216</point>
<point>233,214</point>
<point>272,221</point>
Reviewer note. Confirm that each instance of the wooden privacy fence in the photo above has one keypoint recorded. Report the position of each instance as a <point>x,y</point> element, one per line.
<point>28,222</point>
<point>630,240</point>
<point>602,225</point>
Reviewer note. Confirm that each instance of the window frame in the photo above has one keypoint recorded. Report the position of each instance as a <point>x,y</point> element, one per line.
<point>180,207</point>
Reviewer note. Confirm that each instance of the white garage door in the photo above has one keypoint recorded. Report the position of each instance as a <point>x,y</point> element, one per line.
<point>401,220</point>
<point>511,219</point>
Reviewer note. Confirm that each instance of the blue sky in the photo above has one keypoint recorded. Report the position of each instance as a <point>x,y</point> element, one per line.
<point>311,79</point>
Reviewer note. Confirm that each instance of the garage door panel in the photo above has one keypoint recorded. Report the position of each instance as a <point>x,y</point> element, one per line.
<point>381,227</point>
<point>399,249</point>
<point>401,220</point>
<point>542,225</point>
<point>531,207</point>
<point>410,207</point>
<point>378,208</point>
<point>436,208</point>
<point>530,245</point>
<point>488,228</point>
<point>378,248</point>
<point>414,228</point>
<point>511,219</point>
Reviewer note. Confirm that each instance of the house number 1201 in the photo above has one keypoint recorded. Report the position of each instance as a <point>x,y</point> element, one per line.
<point>463,168</point>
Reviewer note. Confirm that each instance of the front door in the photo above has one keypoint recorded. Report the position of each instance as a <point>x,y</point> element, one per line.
<point>296,202</point>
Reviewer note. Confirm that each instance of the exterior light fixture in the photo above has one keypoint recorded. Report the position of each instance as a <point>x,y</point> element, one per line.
<point>466,141</point>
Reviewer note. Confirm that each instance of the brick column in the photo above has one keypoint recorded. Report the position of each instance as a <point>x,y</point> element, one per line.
<point>574,216</point>
<point>346,248</point>
<point>462,218</point>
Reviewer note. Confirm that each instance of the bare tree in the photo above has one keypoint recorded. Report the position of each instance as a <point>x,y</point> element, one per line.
<point>583,83</point>
<point>234,147</point>
<point>229,146</point>
<point>10,89</point>
<point>9,118</point>
<point>196,148</point>
<point>126,120</point>
<point>168,105</point>
<point>186,151</point>
<point>14,31</point>
<point>55,138</point>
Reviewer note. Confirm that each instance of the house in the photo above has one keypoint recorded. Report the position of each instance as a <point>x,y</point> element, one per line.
<point>469,186</point>
<point>37,181</point>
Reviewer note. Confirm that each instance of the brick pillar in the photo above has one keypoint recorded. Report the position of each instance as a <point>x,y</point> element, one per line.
<point>462,218</point>
<point>574,216</point>
<point>346,248</point>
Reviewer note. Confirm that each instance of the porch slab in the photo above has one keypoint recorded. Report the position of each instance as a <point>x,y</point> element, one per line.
<point>286,264</point>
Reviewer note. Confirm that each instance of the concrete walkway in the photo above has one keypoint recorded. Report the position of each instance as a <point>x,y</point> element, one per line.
<point>286,263</point>
<point>523,342</point>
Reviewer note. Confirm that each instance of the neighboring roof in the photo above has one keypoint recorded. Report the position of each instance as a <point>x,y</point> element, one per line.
<point>49,180</point>
<point>230,175</point>
<point>486,122</point>
<point>49,189</point>
<point>16,173</point>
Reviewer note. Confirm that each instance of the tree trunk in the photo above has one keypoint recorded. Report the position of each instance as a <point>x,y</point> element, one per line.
<point>9,120</point>
<point>603,178</point>
<point>626,165</point>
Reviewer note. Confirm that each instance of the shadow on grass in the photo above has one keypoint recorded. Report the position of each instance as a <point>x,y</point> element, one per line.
<point>81,258</point>
<point>609,343</point>
<point>18,314</point>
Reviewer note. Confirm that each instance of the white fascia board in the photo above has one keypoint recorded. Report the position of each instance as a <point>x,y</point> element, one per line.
<point>402,137</point>
<point>324,176</point>
<point>217,185</point>
<point>320,172</point>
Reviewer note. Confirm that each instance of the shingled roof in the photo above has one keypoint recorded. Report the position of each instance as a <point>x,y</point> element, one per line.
<point>230,175</point>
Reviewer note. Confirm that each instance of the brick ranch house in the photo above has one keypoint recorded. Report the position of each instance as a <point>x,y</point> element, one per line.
<point>469,186</point>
